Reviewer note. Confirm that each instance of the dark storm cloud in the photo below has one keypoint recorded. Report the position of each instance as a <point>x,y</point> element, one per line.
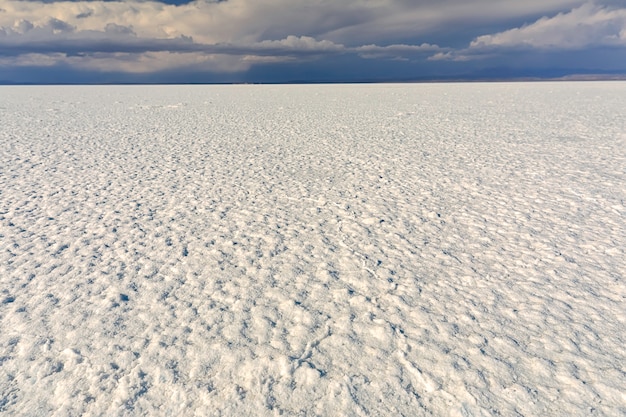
<point>56,36</point>
<point>98,42</point>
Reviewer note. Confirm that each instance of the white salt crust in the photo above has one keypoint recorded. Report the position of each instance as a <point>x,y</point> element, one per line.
<point>444,249</point>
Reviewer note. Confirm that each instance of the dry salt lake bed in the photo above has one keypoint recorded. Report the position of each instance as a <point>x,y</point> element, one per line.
<point>357,250</point>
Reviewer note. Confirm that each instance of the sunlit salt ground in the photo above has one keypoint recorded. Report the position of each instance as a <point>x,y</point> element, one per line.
<point>455,250</point>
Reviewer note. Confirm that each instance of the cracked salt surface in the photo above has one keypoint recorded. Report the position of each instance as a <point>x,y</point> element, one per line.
<point>313,250</point>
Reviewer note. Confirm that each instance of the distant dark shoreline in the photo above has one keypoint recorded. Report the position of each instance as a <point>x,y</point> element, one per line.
<point>442,80</point>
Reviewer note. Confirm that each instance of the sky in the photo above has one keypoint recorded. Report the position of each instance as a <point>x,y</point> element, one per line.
<point>215,41</point>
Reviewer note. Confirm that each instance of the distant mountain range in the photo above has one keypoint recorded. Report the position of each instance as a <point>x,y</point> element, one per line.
<point>486,76</point>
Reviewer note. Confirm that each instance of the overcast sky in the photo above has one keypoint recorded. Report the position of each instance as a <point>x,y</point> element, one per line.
<point>307,40</point>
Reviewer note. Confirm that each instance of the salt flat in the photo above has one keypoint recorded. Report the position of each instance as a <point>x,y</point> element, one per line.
<point>434,249</point>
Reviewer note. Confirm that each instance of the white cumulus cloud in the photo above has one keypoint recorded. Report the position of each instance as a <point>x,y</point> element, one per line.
<point>587,25</point>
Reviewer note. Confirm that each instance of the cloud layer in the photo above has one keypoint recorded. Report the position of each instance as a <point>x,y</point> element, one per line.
<point>233,35</point>
<point>587,25</point>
